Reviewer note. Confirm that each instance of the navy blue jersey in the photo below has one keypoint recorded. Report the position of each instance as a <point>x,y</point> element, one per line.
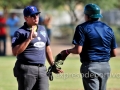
<point>35,51</point>
<point>97,40</point>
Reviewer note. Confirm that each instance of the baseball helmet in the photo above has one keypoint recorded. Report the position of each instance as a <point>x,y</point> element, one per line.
<point>92,10</point>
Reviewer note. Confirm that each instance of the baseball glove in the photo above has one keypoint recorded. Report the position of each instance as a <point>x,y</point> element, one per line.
<point>54,68</point>
<point>51,69</point>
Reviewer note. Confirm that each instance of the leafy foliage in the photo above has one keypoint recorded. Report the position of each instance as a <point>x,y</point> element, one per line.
<point>104,4</point>
<point>57,3</point>
<point>14,4</point>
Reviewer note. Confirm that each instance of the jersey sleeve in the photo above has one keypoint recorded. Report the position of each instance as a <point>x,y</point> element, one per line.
<point>48,41</point>
<point>113,43</point>
<point>79,37</point>
<point>16,40</point>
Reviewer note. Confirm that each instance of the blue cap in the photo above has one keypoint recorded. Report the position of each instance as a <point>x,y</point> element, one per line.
<point>30,10</point>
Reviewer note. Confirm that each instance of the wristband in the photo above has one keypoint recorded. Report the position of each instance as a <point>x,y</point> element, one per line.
<point>67,52</point>
<point>52,63</point>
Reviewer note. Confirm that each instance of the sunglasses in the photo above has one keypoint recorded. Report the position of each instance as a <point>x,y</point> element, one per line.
<point>34,15</point>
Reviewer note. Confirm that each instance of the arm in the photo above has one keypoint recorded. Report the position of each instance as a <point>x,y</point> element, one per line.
<point>113,47</point>
<point>78,41</point>
<point>113,53</point>
<point>49,55</point>
<point>21,47</point>
<point>53,67</point>
<point>75,50</point>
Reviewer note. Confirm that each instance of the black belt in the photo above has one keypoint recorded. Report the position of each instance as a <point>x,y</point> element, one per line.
<point>98,61</point>
<point>35,64</point>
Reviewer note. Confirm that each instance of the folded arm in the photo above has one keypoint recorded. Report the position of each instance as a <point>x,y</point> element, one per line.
<point>21,47</point>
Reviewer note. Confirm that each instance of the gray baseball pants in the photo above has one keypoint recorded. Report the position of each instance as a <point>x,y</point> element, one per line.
<point>95,75</point>
<point>31,77</point>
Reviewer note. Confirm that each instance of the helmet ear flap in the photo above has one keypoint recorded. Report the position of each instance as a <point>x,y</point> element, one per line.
<point>92,10</point>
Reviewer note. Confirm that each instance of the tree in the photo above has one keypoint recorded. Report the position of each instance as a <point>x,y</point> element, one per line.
<point>71,4</point>
<point>7,4</point>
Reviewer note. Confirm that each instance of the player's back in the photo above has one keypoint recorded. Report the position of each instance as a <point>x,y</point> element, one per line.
<point>98,38</point>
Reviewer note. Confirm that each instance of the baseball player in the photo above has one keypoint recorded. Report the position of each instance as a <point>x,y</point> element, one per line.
<point>31,46</point>
<point>95,43</point>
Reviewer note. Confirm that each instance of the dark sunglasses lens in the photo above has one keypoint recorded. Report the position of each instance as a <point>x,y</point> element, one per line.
<point>32,15</point>
<point>35,15</point>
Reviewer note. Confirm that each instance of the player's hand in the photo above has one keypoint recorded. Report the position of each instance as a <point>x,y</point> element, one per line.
<point>56,70</point>
<point>33,34</point>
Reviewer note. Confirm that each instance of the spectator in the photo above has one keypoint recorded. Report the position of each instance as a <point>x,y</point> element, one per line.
<point>12,23</point>
<point>47,22</point>
<point>41,20</point>
<point>3,35</point>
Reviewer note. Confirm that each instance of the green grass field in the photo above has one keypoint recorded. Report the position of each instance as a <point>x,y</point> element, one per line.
<point>69,80</point>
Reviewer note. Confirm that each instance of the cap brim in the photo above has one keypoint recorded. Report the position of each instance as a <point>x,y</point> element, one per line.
<point>35,13</point>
